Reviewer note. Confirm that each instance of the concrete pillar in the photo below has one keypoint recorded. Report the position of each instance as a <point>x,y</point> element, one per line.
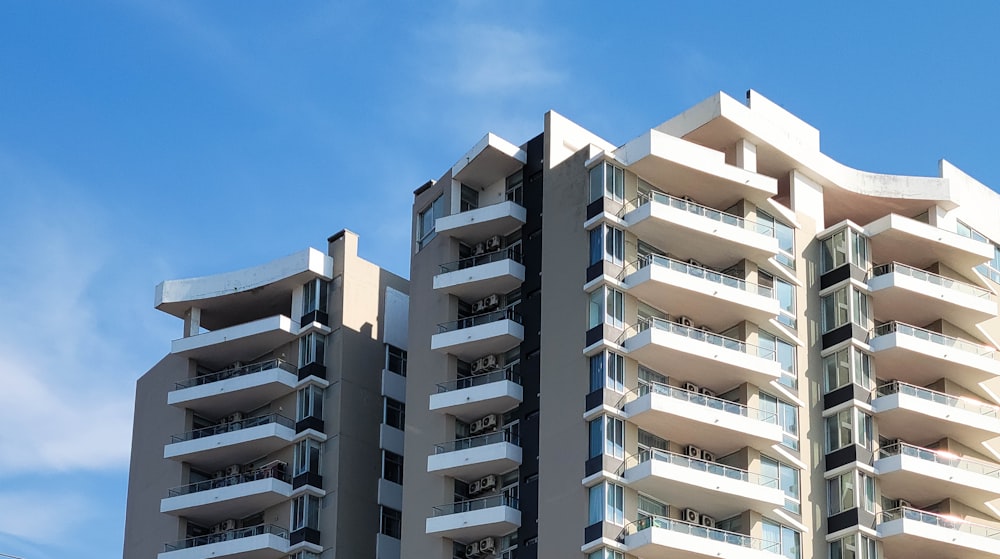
<point>192,322</point>
<point>746,155</point>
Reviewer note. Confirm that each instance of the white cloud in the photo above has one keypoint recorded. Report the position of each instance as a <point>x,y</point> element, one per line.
<point>495,61</point>
<point>42,517</point>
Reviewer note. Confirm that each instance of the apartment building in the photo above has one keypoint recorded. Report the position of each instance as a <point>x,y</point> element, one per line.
<point>273,427</point>
<point>712,340</point>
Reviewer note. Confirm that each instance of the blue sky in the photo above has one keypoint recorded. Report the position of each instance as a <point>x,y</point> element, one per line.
<point>144,140</point>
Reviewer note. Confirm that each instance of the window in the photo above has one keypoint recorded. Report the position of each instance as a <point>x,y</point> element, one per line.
<point>310,402</point>
<point>787,539</point>
<point>596,245</point>
<point>426,220</point>
<point>850,426</point>
<point>651,507</point>
<point>848,548</point>
<point>395,360</point>
<point>846,245</point>
<point>314,294</point>
<point>867,485</point>
<point>846,366</point>
<point>308,453</point>
<point>469,199</point>
<point>391,523</point>
<point>305,512</point>
<point>312,349</point>
<point>785,236</point>
<point>607,435</point>
<point>787,417</point>
<point>607,180</point>
<point>838,310</point>
<point>781,351</point>
<point>785,293</point>
<point>514,186</point>
<point>607,503</point>
<point>395,413</point>
<point>607,306</point>
<point>392,467</point>
<point>607,243</point>
<point>840,493</point>
<point>614,365</point>
<point>787,478</point>
<point>605,553</point>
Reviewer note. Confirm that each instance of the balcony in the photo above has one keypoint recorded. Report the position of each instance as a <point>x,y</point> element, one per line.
<point>473,397</point>
<point>920,356</point>
<point>476,277</point>
<point>715,238</point>
<point>238,442</point>
<point>917,296</point>
<point>475,457</point>
<point>244,342</point>
<point>928,476</point>
<point>237,388</point>
<point>475,336</point>
<point>895,238</point>
<point>919,414</point>
<point>681,415</point>
<point>475,225</point>
<point>475,519</point>
<point>912,533</point>
<point>235,496</point>
<point>714,489</point>
<point>717,362</point>
<point>264,541</point>
<point>656,537</point>
<point>689,289</point>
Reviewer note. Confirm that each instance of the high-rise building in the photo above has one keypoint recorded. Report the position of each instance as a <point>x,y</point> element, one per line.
<point>710,341</point>
<point>273,427</point>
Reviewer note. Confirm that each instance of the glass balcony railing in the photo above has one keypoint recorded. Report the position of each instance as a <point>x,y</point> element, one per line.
<point>699,399</point>
<point>232,372</point>
<point>476,504</point>
<point>698,209</point>
<point>949,522</point>
<point>479,319</point>
<point>196,541</point>
<point>700,335</point>
<point>233,426</point>
<point>698,272</point>
<point>897,387</point>
<point>935,337</point>
<point>935,279</point>
<point>972,465</point>
<point>699,531</point>
<point>509,372</point>
<point>277,473</point>
<point>512,253</point>
<point>478,440</point>
<point>713,468</point>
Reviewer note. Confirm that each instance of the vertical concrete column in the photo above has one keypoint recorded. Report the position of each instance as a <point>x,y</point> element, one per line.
<point>192,322</point>
<point>746,155</point>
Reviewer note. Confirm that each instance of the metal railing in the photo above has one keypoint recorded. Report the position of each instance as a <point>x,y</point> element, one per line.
<point>509,372</point>
<point>238,372</point>
<point>698,272</point>
<point>929,277</point>
<point>897,387</point>
<point>245,423</point>
<point>935,337</point>
<point>714,468</point>
<point>258,530</point>
<point>476,504</point>
<point>972,465</point>
<point>697,398</point>
<point>511,253</point>
<point>698,209</point>
<point>699,531</point>
<point>479,440</point>
<point>949,522</point>
<point>698,335</point>
<point>479,319</point>
<point>277,473</point>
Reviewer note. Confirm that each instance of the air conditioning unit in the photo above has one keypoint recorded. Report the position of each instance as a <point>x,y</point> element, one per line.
<point>692,516</point>
<point>234,417</point>
<point>493,243</point>
<point>707,456</point>
<point>219,474</point>
<point>707,521</point>
<point>479,249</point>
<point>489,422</point>
<point>491,302</point>
<point>685,321</point>
<point>692,451</point>
<point>707,392</point>
<point>487,545</point>
<point>472,549</point>
<point>475,488</point>
<point>488,483</point>
<point>226,525</point>
<point>691,387</point>
<point>484,364</point>
<point>476,427</point>
<point>234,470</point>
<point>478,307</point>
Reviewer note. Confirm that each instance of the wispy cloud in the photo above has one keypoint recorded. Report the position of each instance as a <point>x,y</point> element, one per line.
<point>491,60</point>
<point>42,517</point>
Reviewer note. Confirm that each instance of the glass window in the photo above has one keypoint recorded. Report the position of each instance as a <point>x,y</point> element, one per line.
<point>651,507</point>
<point>615,307</point>
<point>840,493</point>
<point>787,478</point>
<point>614,437</point>
<point>833,251</point>
<point>596,506</point>
<point>308,453</point>
<point>614,245</point>
<point>836,311</point>
<point>395,413</point>
<point>605,553</point>
<point>788,418</point>
<point>596,309</point>
<point>844,548</point>
<point>305,512</point>
<point>391,523</point>
<point>860,250</point>
<point>846,366</point>
<point>785,293</point>
<point>869,548</point>
<point>310,402</point>
<point>616,372</point>
<point>786,238</point>
<point>607,180</point>
<point>314,294</point>
<point>312,349</point>
<point>395,360</point>
<point>426,220</point>
<point>787,539</point>
<point>596,245</point>
<point>839,430</point>
<point>781,351</point>
<point>469,199</point>
<point>596,442</point>
<point>607,503</point>
<point>392,467</point>
<point>597,371</point>
<point>514,188</point>
<point>867,486</point>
